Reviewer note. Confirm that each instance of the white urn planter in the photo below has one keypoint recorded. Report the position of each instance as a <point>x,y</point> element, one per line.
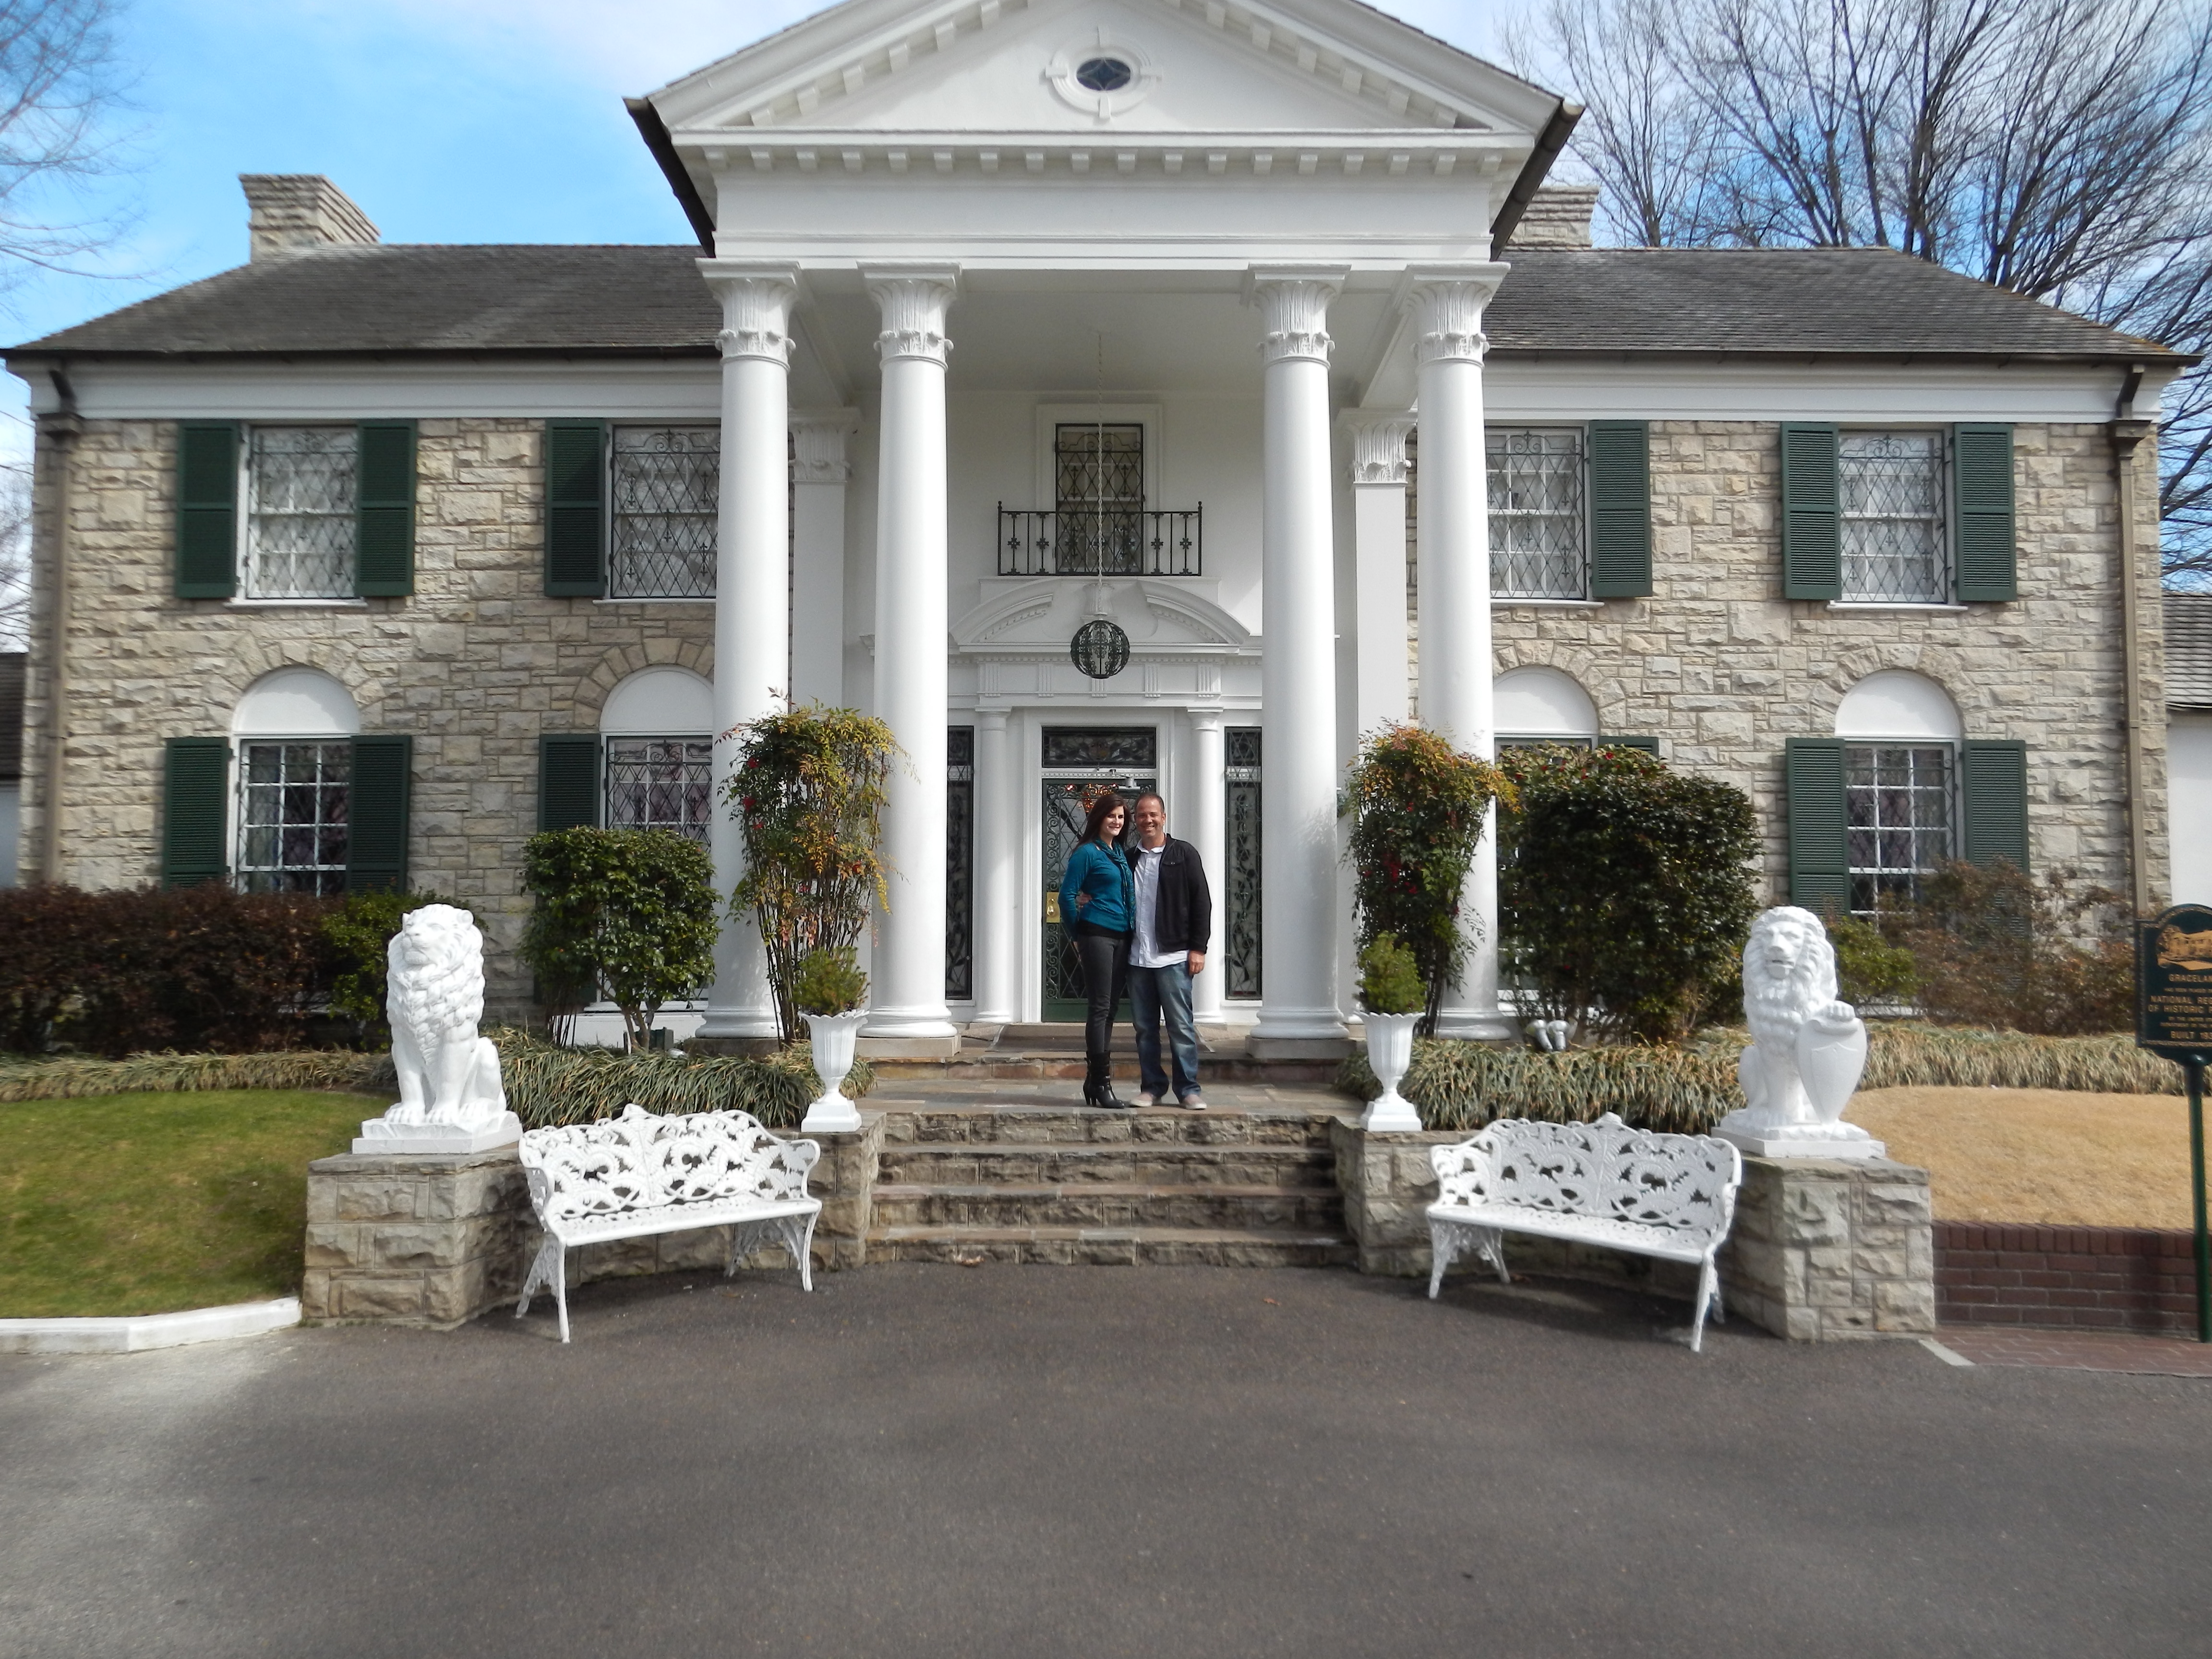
<point>1389,1052</point>
<point>832,1037</point>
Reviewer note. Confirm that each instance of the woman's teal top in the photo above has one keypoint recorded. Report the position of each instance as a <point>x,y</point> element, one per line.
<point>1101,873</point>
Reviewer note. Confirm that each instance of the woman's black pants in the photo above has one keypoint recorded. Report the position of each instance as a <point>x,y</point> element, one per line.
<point>1105,969</point>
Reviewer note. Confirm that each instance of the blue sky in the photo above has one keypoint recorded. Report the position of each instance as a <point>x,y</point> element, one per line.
<point>459,121</point>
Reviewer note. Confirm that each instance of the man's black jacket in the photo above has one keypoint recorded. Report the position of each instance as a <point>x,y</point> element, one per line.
<point>1183,915</point>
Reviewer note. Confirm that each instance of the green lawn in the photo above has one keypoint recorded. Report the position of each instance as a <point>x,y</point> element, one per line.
<point>148,1203</point>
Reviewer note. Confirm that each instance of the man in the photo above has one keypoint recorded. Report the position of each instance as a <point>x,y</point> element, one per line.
<point>1174,925</point>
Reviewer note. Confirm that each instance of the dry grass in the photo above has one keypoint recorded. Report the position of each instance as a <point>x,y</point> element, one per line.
<point>2060,1157</point>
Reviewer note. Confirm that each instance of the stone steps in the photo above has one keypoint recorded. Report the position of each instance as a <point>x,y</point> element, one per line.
<point>1173,1247</point>
<point>1042,1180</point>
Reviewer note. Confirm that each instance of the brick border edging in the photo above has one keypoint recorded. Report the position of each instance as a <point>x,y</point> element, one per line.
<point>2125,1278</point>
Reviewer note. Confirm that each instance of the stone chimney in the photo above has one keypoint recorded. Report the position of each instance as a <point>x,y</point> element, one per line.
<point>1558,215</point>
<point>296,213</point>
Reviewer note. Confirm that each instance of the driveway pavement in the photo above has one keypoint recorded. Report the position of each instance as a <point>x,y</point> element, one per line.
<point>1040,1461</point>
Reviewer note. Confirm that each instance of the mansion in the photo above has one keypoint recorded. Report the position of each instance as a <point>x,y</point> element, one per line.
<point>1134,392</point>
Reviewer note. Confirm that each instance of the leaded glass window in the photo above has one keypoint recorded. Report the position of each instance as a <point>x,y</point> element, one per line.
<point>1243,895</point>
<point>302,494</point>
<point>1895,533</point>
<point>661,783</point>
<point>1536,540</point>
<point>1099,498</point>
<point>1103,747</point>
<point>292,817</point>
<point>959,863</point>
<point>667,481</point>
<point>1896,800</point>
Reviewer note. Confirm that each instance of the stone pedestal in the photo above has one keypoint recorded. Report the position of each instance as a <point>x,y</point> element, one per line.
<point>1824,1248</point>
<point>435,1240</point>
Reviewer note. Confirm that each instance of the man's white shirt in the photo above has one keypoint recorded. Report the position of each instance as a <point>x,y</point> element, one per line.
<point>1144,949</point>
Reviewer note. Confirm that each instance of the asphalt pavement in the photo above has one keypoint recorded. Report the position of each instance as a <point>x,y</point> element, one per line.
<point>1039,1462</point>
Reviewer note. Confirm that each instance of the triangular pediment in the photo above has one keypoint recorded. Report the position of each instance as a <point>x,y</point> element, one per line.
<point>894,66</point>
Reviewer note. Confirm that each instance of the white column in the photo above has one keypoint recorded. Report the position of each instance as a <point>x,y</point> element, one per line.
<point>907,1012</point>
<point>819,471</point>
<point>1202,819</point>
<point>752,615</point>
<point>1446,307</point>
<point>1378,518</point>
<point>998,873</point>
<point>1297,671</point>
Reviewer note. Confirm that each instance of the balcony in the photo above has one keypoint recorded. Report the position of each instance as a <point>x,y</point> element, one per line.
<point>1114,542</point>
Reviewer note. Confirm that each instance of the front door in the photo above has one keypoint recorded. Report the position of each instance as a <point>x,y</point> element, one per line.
<point>1080,764</point>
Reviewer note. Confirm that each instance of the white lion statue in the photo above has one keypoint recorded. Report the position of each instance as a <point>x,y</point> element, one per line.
<point>450,1088</point>
<point>1808,1050</point>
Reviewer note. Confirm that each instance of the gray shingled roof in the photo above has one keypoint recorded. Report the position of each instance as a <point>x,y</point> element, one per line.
<point>650,301</point>
<point>11,713</point>
<point>2189,650</point>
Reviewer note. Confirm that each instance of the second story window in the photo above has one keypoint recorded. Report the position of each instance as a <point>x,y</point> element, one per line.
<point>1537,523</point>
<point>1099,488</point>
<point>665,482</point>
<point>1891,493</point>
<point>303,498</point>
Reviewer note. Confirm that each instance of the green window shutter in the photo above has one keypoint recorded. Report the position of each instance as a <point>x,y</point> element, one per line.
<point>1813,791</point>
<point>1981,491</point>
<point>195,803</point>
<point>575,509</point>
<point>1649,745</point>
<point>384,542</point>
<point>1993,802</point>
<point>376,838</point>
<point>568,781</point>
<point>1620,509</point>
<point>207,510</point>
<point>1812,514</point>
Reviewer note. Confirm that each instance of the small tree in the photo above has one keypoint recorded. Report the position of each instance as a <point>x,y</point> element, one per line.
<point>1416,808</point>
<point>1994,947</point>
<point>1624,889</point>
<point>627,911</point>
<point>808,795</point>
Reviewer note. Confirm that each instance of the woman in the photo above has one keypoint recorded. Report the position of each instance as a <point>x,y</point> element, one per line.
<point>1098,905</point>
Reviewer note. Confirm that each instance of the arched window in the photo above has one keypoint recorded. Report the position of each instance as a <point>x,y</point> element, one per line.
<point>1542,705</point>
<point>657,729</point>
<point>1901,733</point>
<point>293,731</point>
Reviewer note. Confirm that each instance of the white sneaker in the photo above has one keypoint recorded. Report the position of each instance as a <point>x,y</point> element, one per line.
<point>1192,1103</point>
<point>1147,1100</point>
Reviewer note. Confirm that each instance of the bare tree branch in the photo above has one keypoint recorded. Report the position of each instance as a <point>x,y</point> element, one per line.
<point>15,556</point>
<point>60,78</point>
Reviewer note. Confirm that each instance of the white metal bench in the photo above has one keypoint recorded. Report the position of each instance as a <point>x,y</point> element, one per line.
<point>638,1174</point>
<point>1670,1196</point>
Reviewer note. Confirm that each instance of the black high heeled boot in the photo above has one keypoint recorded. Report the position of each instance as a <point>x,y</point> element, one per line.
<point>1099,1084</point>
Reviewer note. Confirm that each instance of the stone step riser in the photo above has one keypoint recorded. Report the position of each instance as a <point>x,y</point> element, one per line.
<point>1186,1207</point>
<point>1045,1126</point>
<point>954,1165</point>
<point>1117,1253</point>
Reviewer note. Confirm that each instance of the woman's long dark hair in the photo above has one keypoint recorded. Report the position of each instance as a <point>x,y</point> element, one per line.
<point>1094,825</point>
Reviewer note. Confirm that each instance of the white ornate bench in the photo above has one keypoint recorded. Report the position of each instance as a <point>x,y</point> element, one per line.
<point>628,1176</point>
<point>1670,1196</point>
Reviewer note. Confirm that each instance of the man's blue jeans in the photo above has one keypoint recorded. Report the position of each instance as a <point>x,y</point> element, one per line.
<point>1154,992</point>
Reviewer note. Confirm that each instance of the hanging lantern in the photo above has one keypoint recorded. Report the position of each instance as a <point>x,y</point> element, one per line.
<point>1100,648</point>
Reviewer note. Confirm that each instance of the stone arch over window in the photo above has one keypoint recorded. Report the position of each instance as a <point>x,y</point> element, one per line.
<point>295,702</point>
<point>1896,704</point>
<point>1899,735</point>
<point>623,661</point>
<point>1543,703</point>
<point>659,701</point>
<point>294,734</point>
<point>657,729</point>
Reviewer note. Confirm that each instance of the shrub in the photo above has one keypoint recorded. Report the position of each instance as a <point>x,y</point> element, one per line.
<point>1992,947</point>
<point>829,981</point>
<point>133,968</point>
<point>1870,971</point>
<point>1624,891</point>
<point>359,934</point>
<point>1389,979</point>
<point>630,912</point>
<point>808,795</point>
<point>1416,808</point>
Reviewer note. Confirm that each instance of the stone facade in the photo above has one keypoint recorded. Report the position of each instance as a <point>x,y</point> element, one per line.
<point>1823,1249</point>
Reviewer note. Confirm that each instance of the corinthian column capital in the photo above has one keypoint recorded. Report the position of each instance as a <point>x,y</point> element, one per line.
<point>1378,445</point>
<point>818,445</point>
<point>757,301</point>
<point>1445,304</point>
<point>1293,302</point>
<point>913,300</point>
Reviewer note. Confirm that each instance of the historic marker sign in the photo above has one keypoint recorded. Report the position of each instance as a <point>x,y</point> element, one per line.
<point>2173,983</point>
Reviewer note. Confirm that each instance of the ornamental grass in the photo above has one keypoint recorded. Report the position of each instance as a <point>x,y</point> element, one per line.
<point>1686,1091</point>
<point>546,1084</point>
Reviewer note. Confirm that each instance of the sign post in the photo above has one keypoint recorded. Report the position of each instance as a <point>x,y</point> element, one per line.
<point>2174,1018</point>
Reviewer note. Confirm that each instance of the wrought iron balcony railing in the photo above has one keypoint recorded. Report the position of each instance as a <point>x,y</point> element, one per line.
<point>1116,541</point>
